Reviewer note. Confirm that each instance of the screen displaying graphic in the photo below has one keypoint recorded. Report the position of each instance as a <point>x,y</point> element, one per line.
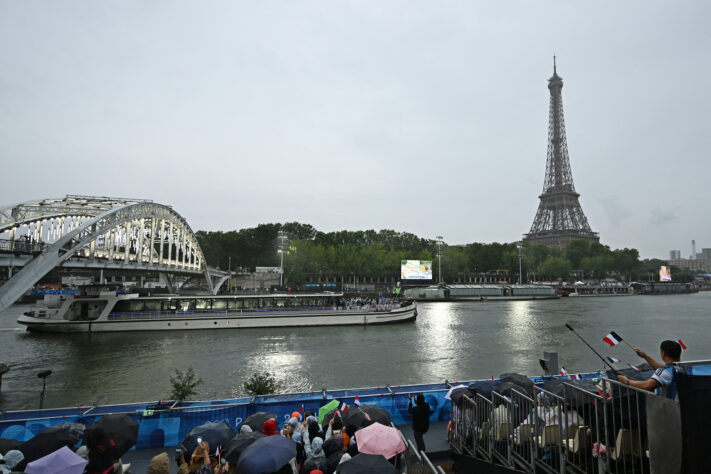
<point>416,270</point>
<point>664,274</point>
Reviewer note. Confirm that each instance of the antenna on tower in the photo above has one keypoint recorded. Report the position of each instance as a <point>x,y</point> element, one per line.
<point>554,68</point>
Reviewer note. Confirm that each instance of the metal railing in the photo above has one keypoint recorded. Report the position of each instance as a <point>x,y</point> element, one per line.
<point>574,430</point>
<point>21,246</point>
<point>417,462</point>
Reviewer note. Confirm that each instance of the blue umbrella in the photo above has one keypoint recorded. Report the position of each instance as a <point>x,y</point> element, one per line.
<point>266,455</point>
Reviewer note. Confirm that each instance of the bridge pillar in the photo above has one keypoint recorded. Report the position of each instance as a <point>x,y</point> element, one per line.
<point>153,233</point>
<point>161,234</point>
<point>127,243</point>
<point>139,249</point>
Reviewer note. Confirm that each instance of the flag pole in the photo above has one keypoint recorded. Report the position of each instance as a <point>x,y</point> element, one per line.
<point>604,361</point>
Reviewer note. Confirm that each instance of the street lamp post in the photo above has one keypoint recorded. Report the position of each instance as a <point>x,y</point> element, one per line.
<point>439,257</point>
<point>43,375</point>
<point>520,258</point>
<point>281,235</point>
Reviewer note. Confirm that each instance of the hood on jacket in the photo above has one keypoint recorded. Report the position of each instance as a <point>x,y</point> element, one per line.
<point>270,427</point>
<point>159,465</point>
<point>331,446</point>
<point>317,448</point>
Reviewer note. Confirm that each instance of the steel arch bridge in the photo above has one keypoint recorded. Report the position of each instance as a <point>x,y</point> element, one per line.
<point>96,232</point>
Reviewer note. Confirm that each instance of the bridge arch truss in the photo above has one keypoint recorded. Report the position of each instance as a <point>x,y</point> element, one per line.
<point>103,232</point>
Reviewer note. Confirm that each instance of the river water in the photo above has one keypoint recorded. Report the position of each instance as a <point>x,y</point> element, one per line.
<point>453,340</point>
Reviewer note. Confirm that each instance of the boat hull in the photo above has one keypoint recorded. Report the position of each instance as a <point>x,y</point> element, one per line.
<point>226,321</point>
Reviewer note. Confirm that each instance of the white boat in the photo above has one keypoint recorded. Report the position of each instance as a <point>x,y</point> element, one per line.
<point>110,312</point>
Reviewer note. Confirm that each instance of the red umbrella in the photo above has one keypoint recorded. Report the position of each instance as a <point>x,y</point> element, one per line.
<point>380,439</point>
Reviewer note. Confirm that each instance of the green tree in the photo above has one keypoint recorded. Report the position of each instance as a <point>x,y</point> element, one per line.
<point>184,384</point>
<point>261,384</point>
<point>556,268</point>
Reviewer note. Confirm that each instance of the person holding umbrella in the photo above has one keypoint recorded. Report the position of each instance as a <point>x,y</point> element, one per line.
<point>420,419</point>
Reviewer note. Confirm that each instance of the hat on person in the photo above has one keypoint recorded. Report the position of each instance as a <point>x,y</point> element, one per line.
<point>12,458</point>
<point>296,415</point>
<point>245,429</point>
<point>269,427</point>
<point>159,465</point>
<point>293,422</point>
<point>316,471</point>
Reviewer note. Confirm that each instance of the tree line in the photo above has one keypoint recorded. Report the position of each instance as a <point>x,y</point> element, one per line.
<point>378,254</point>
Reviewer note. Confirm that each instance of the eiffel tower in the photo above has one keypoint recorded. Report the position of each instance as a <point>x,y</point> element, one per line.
<point>560,218</point>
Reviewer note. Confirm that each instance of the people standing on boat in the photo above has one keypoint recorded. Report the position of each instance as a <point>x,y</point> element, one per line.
<point>662,381</point>
<point>420,419</point>
<point>314,453</point>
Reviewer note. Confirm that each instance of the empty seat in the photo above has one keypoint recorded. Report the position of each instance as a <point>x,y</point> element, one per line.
<point>525,434</point>
<point>504,431</point>
<point>550,436</point>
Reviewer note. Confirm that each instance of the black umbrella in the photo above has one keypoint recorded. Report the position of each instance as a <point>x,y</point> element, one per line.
<point>505,388</point>
<point>268,454</point>
<point>50,440</point>
<point>365,464</point>
<point>122,431</point>
<point>457,395</point>
<point>256,421</point>
<point>586,394</point>
<point>354,416</point>
<point>8,445</point>
<point>377,414</point>
<point>482,387</point>
<point>518,379</point>
<point>216,434</point>
<point>239,443</point>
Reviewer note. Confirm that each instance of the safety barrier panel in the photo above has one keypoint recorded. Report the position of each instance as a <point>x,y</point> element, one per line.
<point>417,462</point>
<point>575,430</point>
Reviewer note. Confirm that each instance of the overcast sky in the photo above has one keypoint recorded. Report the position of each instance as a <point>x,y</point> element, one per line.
<point>427,117</point>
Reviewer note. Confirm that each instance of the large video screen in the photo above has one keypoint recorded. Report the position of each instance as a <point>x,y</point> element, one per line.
<point>664,274</point>
<point>416,270</point>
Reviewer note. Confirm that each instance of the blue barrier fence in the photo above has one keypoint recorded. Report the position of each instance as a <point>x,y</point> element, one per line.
<point>166,423</point>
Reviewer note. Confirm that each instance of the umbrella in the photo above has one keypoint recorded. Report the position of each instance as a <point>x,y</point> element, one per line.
<point>216,434</point>
<point>327,408</point>
<point>354,416</point>
<point>448,396</point>
<point>380,439</point>
<point>122,431</point>
<point>256,421</point>
<point>457,395</point>
<point>376,414</point>
<point>8,444</point>
<point>239,443</point>
<point>586,394</point>
<point>50,440</point>
<point>518,379</point>
<point>268,454</point>
<point>483,388</point>
<point>505,388</point>
<point>365,464</point>
<point>62,461</point>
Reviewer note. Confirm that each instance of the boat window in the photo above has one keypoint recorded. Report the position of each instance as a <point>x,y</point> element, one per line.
<point>169,306</point>
<point>85,310</point>
<point>251,303</point>
<point>234,303</point>
<point>121,306</point>
<point>151,305</point>
<point>186,305</point>
<point>280,302</point>
<point>135,306</point>
<point>220,303</point>
<point>202,304</point>
<point>266,303</point>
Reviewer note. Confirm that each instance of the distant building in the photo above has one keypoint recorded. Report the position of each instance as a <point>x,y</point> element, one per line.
<point>675,255</point>
<point>706,254</point>
<point>693,264</point>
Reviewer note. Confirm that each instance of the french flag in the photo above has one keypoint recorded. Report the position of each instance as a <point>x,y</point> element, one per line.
<point>613,360</point>
<point>356,402</point>
<point>343,407</point>
<point>613,339</point>
<point>563,371</point>
<point>683,346</point>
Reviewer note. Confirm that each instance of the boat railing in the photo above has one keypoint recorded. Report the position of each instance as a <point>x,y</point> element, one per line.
<point>574,430</point>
